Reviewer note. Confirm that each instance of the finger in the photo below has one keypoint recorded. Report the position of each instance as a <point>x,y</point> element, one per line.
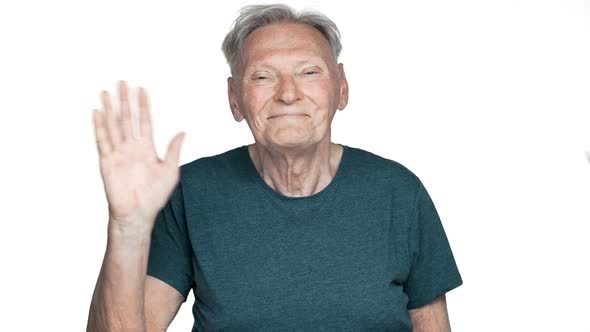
<point>126,127</point>
<point>100,132</point>
<point>112,120</point>
<point>173,153</point>
<point>145,119</point>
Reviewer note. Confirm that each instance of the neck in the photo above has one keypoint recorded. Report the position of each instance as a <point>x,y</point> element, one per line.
<point>297,173</point>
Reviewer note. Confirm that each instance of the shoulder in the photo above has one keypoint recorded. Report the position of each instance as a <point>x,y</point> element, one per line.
<point>371,167</point>
<point>205,172</point>
<point>208,166</point>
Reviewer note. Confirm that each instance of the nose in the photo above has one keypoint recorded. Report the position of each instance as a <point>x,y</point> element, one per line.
<point>287,91</point>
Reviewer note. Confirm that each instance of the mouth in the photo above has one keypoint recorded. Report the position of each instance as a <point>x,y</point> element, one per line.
<point>288,115</point>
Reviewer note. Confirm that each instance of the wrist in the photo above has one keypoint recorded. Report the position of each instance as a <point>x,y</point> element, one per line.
<point>130,230</point>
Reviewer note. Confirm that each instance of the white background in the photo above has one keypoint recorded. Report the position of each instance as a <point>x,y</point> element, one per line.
<point>488,102</point>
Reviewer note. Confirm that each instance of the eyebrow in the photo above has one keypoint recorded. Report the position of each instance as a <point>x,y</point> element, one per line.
<point>311,62</point>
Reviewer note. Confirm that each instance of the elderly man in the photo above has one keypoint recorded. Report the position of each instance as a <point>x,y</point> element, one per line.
<point>293,232</point>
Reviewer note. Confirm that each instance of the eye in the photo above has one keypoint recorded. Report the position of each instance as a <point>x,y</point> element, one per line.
<point>261,76</point>
<point>311,71</point>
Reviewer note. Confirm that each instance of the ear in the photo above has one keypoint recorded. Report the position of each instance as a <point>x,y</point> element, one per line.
<point>233,99</point>
<point>343,88</point>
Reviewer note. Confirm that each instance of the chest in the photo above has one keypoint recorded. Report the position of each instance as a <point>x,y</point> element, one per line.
<point>269,266</point>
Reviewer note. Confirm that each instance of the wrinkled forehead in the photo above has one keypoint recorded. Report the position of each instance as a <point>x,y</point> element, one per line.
<point>297,41</point>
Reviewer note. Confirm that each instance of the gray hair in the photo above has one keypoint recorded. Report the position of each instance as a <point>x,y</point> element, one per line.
<point>255,16</point>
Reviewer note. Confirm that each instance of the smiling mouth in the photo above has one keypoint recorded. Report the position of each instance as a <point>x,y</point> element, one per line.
<point>287,115</point>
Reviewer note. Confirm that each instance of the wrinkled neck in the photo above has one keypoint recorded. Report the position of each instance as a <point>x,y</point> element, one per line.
<point>297,172</point>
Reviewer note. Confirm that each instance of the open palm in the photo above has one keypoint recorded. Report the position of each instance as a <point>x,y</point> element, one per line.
<point>137,182</point>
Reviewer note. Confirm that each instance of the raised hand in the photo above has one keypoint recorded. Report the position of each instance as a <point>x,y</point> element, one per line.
<point>137,182</point>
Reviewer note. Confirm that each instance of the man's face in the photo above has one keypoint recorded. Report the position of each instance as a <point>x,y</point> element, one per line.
<point>289,86</point>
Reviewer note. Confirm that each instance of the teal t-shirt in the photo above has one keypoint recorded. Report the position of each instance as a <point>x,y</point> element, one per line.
<point>355,256</point>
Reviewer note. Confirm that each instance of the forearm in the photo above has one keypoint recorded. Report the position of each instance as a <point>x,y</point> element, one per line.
<point>118,299</point>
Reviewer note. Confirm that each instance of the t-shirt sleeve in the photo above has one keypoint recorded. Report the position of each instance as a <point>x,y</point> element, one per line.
<point>433,270</point>
<point>171,258</point>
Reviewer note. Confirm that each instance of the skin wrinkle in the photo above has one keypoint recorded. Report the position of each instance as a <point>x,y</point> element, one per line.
<point>118,318</point>
<point>116,310</point>
<point>101,321</point>
<point>333,170</point>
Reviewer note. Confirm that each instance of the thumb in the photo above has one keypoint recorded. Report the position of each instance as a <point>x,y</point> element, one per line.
<point>173,152</point>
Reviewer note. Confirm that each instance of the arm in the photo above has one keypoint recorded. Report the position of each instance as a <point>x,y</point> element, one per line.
<point>117,303</point>
<point>124,297</point>
<point>432,317</point>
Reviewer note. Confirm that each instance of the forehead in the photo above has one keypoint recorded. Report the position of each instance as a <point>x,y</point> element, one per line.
<point>289,39</point>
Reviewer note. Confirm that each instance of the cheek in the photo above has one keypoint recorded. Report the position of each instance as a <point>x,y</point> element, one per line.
<point>322,95</point>
<point>254,103</point>
<point>256,99</point>
<point>321,92</point>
